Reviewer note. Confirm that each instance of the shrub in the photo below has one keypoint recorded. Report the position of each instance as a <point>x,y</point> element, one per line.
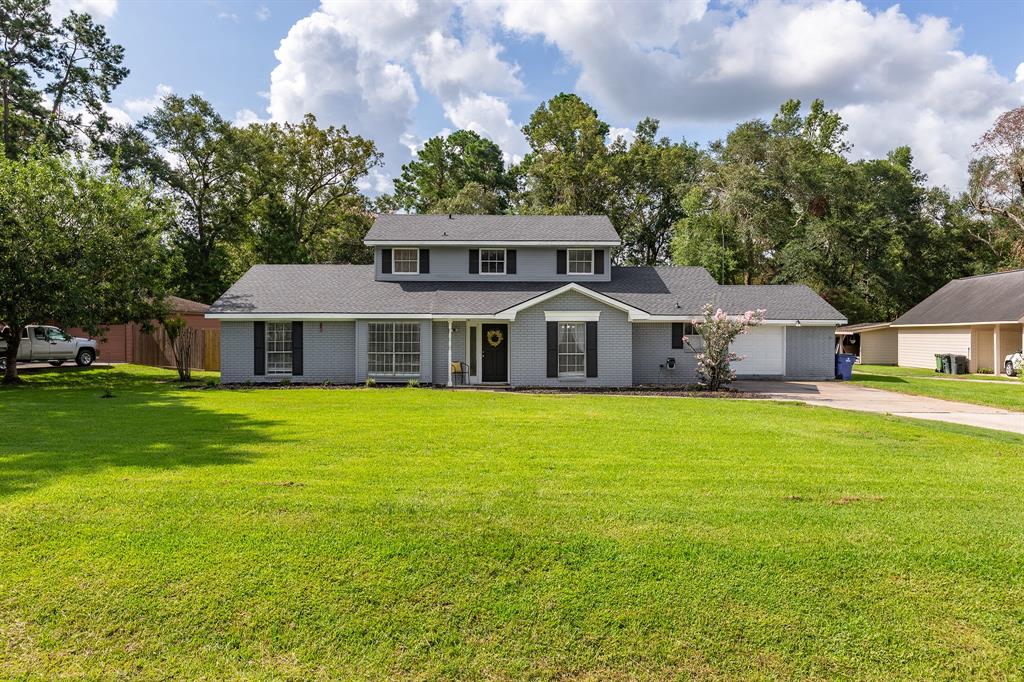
<point>412,383</point>
<point>285,382</point>
<point>1018,368</point>
<point>370,382</point>
<point>718,330</point>
<point>984,370</point>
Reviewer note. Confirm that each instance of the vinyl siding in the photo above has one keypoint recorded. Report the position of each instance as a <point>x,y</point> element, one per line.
<point>919,345</point>
<point>533,264</point>
<point>528,344</point>
<point>879,347</point>
<point>652,347</point>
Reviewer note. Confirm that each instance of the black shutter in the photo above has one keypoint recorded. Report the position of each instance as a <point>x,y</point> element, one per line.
<point>385,261</point>
<point>598,261</point>
<point>560,266</point>
<point>424,261</point>
<point>474,261</point>
<point>678,331</point>
<point>552,350</point>
<point>510,262</point>
<point>591,349</point>
<point>259,348</point>
<point>297,349</point>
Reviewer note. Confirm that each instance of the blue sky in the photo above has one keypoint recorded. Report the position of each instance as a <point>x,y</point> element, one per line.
<point>929,74</point>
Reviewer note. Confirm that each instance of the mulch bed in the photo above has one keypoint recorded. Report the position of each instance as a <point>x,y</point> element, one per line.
<point>685,391</point>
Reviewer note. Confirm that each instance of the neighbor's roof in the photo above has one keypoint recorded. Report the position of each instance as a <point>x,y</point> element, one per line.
<point>997,297</point>
<point>352,290</point>
<point>862,327</point>
<point>184,305</point>
<point>461,229</point>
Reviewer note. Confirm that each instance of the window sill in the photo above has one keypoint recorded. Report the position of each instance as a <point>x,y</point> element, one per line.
<point>573,378</point>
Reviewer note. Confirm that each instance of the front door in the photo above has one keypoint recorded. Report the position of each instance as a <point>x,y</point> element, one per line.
<point>494,353</point>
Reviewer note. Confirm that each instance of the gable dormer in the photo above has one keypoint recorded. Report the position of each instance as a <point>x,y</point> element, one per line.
<point>492,248</point>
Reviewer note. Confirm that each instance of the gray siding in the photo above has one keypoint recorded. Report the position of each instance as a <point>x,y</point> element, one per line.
<point>533,264</point>
<point>810,352</point>
<point>425,375</point>
<point>328,353</point>
<point>652,347</point>
<point>528,344</point>
<point>440,355</point>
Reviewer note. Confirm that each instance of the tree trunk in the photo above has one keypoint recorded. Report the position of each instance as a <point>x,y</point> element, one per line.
<point>13,339</point>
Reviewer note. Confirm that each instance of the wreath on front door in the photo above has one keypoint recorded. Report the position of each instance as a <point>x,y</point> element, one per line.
<point>495,337</point>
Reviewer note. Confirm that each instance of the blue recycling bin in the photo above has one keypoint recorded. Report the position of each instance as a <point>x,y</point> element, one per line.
<point>844,366</point>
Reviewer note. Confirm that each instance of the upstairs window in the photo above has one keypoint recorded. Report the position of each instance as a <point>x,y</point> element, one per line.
<point>581,261</point>
<point>279,347</point>
<point>492,261</point>
<point>405,261</point>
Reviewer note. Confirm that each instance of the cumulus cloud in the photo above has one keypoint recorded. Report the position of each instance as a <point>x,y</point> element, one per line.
<point>490,117</point>
<point>143,106</point>
<point>98,9</point>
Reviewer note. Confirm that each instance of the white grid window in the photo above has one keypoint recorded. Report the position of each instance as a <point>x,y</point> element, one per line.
<point>393,348</point>
<point>572,348</point>
<point>581,261</point>
<point>693,336</point>
<point>405,261</point>
<point>279,347</point>
<point>492,261</point>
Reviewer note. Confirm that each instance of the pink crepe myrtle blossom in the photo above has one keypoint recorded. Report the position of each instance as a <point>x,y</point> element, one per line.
<point>718,330</point>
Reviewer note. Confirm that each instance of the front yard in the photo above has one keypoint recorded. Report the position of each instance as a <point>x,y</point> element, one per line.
<point>419,533</point>
<point>980,389</point>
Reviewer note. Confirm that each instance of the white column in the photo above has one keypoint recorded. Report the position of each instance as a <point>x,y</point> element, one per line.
<point>450,329</point>
<point>997,362</point>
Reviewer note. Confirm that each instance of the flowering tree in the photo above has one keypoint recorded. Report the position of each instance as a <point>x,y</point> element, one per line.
<point>718,331</point>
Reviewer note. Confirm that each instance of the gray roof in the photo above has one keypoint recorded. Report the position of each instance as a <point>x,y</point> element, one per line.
<point>862,327</point>
<point>997,297</point>
<point>493,228</point>
<point>352,289</point>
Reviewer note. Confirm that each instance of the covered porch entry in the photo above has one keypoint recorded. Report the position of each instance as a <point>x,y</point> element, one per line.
<point>474,352</point>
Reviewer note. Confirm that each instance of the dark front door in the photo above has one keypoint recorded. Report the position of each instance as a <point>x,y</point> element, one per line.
<point>494,352</point>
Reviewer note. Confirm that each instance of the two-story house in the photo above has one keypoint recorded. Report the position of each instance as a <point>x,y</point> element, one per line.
<point>516,300</point>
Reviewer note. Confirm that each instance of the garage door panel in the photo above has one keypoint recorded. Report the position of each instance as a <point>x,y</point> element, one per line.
<point>763,350</point>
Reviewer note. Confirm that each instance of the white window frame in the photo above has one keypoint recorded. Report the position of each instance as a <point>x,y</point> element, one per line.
<point>276,368</point>
<point>504,261</point>
<point>694,337</point>
<point>581,342</point>
<point>394,262</point>
<point>391,356</point>
<point>568,262</point>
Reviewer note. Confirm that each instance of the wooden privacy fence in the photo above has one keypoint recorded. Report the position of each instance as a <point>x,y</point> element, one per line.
<point>154,348</point>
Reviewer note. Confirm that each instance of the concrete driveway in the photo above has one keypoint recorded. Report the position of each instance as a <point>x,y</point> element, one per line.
<point>846,396</point>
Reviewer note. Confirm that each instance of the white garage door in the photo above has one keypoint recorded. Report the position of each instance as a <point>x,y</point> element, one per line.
<point>764,351</point>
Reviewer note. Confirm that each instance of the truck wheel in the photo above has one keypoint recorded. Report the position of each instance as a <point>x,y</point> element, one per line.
<point>1009,369</point>
<point>85,357</point>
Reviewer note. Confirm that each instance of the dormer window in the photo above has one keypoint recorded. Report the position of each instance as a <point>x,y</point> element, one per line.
<point>405,261</point>
<point>492,261</point>
<point>581,261</point>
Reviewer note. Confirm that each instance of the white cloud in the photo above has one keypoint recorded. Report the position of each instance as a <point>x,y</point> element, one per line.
<point>98,9</point>
<point>451,69</point>
<point>227,16</point>
<point>262,13</point>
<point>1019,75</point>
<point>627,134</point>
<point>244,117</point>
<point>490,117</point>
<point>143,106</point>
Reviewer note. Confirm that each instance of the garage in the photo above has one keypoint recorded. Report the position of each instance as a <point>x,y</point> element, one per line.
<point>763,350</point>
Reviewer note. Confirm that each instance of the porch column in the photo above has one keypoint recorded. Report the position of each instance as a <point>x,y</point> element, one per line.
<point>450,328</point>
<point>997,360</point>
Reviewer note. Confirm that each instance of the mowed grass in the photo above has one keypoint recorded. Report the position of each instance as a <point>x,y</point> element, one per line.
<point>1003,392</point>
<point>416,533</point>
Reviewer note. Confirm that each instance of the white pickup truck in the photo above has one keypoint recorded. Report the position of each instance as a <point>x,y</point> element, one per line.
<point>43,343</point>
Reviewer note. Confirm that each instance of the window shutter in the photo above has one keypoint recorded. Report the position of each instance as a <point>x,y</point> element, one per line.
<point>591,349</point>
<point>560,258</point>
<point>259,348</point>
<point>510,262</point>
<point>385,261</point>
<point>474,261</point>
<point>678,331</point>
<point>598,261</point>
<point>424,261</point>
<point>552,350</point>
<point>297,349</point>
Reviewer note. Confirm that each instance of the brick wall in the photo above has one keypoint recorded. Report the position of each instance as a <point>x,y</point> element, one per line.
<point>652,347</point>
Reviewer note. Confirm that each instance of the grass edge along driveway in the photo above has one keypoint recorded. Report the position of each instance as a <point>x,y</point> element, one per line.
<point>416,533</point>
<point>1007,393</point>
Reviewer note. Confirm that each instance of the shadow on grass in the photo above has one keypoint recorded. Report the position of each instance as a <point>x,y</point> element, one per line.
<point>63,426</point>
<point>878,379</point>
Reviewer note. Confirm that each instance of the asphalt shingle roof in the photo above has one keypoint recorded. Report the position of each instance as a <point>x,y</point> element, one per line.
<point>352,289</point>
<point>492,228</point>
<point>997,297</point>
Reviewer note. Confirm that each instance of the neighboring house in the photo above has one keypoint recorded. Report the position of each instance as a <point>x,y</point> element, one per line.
<point>129,342</point>
<point>520,300</point>
<point>874,343</point>
<point>981,317</point>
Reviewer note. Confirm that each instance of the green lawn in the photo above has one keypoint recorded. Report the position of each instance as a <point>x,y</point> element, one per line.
<point>1007,394</point>
<point>417,533</point>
